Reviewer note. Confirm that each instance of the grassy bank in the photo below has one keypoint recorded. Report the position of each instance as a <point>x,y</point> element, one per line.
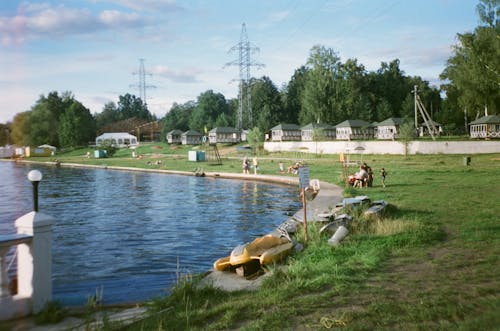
<point>432,264</point>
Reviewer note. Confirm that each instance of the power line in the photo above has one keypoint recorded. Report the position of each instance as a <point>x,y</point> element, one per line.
<point>244,62</point>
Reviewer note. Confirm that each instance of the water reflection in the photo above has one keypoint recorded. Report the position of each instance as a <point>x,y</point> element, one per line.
<point>127,231</point>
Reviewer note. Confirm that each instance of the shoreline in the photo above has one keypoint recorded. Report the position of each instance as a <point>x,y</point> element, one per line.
<point>328,196</point>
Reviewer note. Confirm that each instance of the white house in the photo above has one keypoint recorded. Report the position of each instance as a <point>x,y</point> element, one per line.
<point>322,131</point>
<point>286,132</point>
<point>174,137</point>
<point>118,139</point>
<point>436,128</point>
<point>389,129</point>
<point>354,129</point>
<point>224,135</point>
<point>191,137</point>
<point>485,127</point>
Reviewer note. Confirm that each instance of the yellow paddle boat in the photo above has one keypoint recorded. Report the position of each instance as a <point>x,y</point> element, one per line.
<point>267,250</point>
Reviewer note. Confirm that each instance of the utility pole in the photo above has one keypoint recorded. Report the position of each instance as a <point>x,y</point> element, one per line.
<point>142,86</point>
<point>244,49</point>
<point>415,106</point>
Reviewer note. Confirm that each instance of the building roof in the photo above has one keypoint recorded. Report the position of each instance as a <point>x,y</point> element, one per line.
<point>116,135</point>
<point>490,119</point>
<point>313,126</point>
<point>174,132</point>
<point>191,133</point>
<point>223,129</point>
<point>286,127</point>
<point>392,121</point>
<point>353,124</point>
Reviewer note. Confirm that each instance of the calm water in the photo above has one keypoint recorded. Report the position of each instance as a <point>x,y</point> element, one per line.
<point>130,233</point>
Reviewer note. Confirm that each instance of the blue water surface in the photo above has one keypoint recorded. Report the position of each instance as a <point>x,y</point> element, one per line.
<point>130,235</point>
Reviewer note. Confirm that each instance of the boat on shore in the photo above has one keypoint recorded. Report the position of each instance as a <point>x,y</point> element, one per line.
<point>265,250</point>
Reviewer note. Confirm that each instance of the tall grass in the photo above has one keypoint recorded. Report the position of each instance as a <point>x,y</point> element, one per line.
<point>430,264</point>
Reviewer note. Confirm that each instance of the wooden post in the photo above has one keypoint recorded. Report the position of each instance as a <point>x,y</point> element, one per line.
<point>303,184</point>
<point>305,212</point>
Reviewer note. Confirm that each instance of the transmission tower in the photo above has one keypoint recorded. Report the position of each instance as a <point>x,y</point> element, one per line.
<point>244,49</point>
<point>142,86</point>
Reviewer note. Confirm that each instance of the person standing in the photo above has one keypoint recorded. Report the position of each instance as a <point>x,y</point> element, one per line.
<point>382,176</point>
<point>246,165</point>
<point>255,164</point>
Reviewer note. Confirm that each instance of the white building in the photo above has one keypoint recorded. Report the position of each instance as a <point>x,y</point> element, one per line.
<point>389,129</point>
<point>485,127</point>
<point>117,139</point>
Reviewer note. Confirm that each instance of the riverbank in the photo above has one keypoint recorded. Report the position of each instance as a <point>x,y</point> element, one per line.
<point>433,264</point>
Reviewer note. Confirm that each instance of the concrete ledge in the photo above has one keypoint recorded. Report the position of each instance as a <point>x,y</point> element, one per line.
<point>386,147</point>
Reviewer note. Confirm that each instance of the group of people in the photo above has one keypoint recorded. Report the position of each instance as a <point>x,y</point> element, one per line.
<point>246,165</point>
<point>364,177</point>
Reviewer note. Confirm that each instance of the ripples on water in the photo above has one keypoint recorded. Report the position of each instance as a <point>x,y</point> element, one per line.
<point>131,233</point>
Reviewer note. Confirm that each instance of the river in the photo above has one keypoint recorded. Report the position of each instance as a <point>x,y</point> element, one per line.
<point>130,234</point>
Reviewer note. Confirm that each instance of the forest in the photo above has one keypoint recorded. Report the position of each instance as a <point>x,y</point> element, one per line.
<point>324,89</point>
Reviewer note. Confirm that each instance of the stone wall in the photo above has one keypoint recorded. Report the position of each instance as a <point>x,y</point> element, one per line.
<point>385,147</point>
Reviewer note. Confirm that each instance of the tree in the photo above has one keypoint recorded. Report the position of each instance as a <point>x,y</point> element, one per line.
<point>43,121</point>
<point>318,100</point>
<point>255,139</point>
<point>77,126</point>
<point>267,109</point>
<point>178,117</point>
<point>20,129</point>
<point>109,114</point>
<point>291,96</point>
<point>406,134</point>
<point>130,106</point>
<point>474,69</point>
<point>5,131</point>
<point>208,108</point>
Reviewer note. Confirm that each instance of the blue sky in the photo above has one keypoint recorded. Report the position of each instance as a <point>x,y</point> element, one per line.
<point>93,47</point>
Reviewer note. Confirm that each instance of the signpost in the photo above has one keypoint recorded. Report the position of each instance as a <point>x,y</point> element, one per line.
<point>303,184</point>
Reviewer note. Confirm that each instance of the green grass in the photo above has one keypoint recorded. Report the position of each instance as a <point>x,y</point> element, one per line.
<point>431,264</point>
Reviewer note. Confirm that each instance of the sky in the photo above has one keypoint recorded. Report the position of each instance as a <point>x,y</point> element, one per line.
<point>93,48</point>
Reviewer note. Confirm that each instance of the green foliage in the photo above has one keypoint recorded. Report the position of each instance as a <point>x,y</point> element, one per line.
<point>255,139</point>
<point>130,106</point>
<point>77,126</point>
<point>209,107</point>
<point>267,108</point>
<point>109,148</point>
<point>473,71</point>
<point>108,115</point>
<point>52,312</point>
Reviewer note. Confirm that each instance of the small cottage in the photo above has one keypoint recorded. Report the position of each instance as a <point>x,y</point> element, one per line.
<point>436,128</point>
<point>191,137</point>
<point>117,139</point>
<point>286,132</point>
<point>485,127</point>
<point>224,135</point>
<point>317,131</point>
<point>354,129</point>
<point>174,137</point>
<point>388,129</point>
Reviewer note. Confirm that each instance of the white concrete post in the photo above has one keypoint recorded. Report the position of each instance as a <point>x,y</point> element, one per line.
<point>4,280</point>
<point>34,260</point>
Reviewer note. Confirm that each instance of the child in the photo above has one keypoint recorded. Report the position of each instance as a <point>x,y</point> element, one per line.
<point>382,175</point>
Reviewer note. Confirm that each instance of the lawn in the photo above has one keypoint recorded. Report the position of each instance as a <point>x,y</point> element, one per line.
<point>431,264</point>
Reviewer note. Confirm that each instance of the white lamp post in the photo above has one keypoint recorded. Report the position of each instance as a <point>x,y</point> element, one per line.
<point>35,176</point>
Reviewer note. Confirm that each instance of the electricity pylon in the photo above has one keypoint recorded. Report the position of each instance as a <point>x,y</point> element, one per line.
<point>244,62</point>
<point>142,86</point>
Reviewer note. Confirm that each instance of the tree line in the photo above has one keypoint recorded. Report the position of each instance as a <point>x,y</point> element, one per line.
<point>324,89</point>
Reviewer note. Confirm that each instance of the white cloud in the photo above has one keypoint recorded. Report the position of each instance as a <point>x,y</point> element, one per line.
<point>185,75</point>
<point>147,5</point>
<point>44,21</point>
